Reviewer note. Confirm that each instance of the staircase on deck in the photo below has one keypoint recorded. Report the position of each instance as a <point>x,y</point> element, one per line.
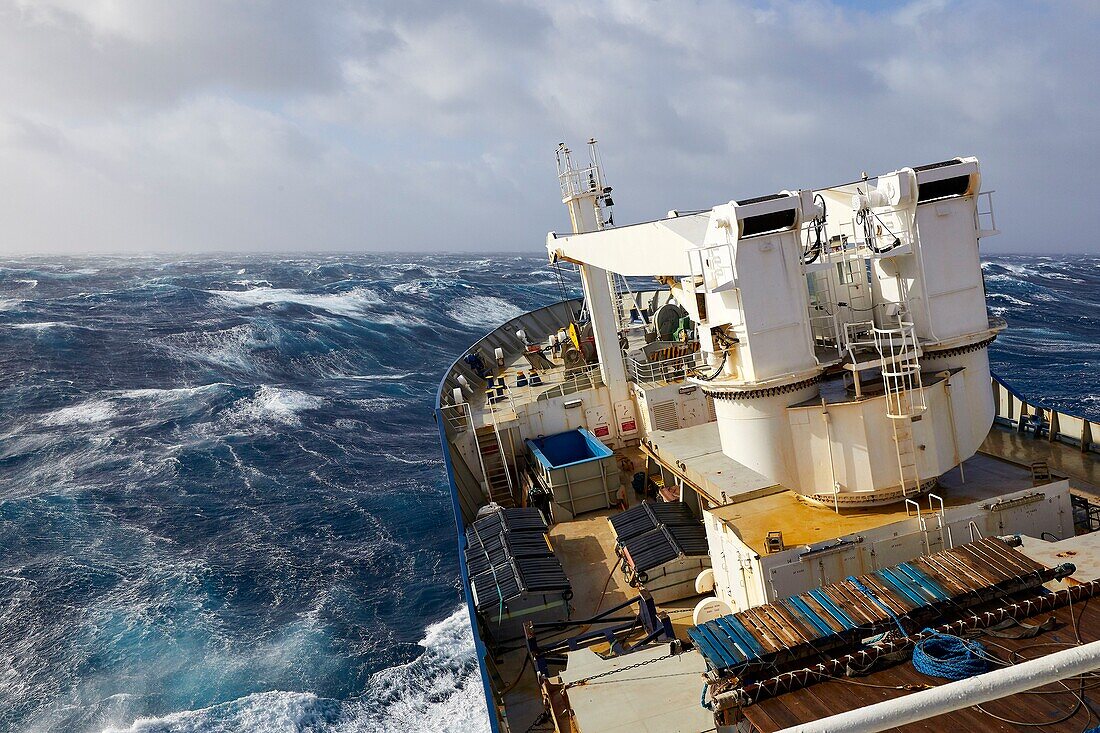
<point>497,477</point>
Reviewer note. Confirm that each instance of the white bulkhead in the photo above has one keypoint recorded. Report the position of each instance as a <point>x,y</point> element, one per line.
<point>847,330</point>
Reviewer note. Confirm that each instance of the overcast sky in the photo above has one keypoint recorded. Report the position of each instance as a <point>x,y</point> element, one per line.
<point>150,125</point>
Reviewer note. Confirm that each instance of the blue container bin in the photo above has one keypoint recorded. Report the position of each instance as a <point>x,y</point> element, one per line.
<point>581,473</point>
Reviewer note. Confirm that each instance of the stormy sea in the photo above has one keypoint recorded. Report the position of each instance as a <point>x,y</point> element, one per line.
<point>222,506</point>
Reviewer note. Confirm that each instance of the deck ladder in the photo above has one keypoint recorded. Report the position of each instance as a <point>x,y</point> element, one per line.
<point>494,464</point>
<point>897,349</point>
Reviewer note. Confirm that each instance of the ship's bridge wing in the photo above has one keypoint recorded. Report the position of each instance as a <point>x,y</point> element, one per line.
<point>652,248</point>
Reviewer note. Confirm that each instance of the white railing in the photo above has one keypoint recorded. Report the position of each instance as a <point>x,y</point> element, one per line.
<point>859,335</point>
<point>824,328</point>
<point>885,227</point>
<point>546,383</point>
<point>460,418</point>
<point>675,369</point>
<point>897,348</point>
<point>983,213</point>
<point>501,453</point>
<point>575,182</point>
<point>457,417</point>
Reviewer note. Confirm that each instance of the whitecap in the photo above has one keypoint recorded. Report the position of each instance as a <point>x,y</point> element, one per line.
<point>438,691</point>
<point>350,303</point>
<point>379,403</point>
<point>484,310</point>
<point>39,326</point>
<point>1008,299</point>
<point>273,404</point>
<point>230,347</point>
<point>171,393</point>
<point>1061,276</point>
<point>262,712</point>
<point>84,413</point>
<point>378,377</point>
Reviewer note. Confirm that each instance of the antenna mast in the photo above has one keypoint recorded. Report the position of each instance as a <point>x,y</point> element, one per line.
<point>584,191</point>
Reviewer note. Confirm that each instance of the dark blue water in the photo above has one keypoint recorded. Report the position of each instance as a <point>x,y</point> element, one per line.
<point>221,502</point>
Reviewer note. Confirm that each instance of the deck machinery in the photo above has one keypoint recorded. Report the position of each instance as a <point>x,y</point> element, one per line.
<point>818,312</point>
<point>808,381</point>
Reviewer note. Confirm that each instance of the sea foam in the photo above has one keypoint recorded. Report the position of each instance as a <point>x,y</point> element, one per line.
<point>484,311</point>
<point>350,303</point>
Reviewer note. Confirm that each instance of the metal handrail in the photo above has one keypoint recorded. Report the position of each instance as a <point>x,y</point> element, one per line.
<point>675,369</point>
<point>980,215</point>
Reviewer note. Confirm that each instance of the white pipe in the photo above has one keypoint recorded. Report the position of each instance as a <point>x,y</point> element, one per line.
<point>957,695</point>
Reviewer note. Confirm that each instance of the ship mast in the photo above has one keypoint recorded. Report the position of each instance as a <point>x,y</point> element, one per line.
<point>588,199</point>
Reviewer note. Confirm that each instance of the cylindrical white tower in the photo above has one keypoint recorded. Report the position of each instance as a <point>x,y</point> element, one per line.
<point>755,429</point>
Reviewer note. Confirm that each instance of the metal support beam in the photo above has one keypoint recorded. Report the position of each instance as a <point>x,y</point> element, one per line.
<point>605,330</point>
<point>958,695</point>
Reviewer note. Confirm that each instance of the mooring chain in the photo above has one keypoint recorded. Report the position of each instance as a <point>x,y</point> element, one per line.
<point>544,718</point>
<point>610,672</point>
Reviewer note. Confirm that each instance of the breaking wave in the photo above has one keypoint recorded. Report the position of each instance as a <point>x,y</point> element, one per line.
<point>440,690</point>
<point>350,303</point>
<point>484,311</point>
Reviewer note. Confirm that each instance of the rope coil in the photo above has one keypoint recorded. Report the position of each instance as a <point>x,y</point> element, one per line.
<point>949,657</point>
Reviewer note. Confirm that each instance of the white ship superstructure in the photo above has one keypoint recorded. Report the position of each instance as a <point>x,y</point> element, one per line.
<point>800,399</point>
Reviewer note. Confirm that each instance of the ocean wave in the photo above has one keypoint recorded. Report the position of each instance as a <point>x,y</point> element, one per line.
<point>438,691</point>
<point>1060,276</point>
<point>228,347</point>
<point>42,326</point>
<point>381,403</point>
<point>263,712</point>
<point>350,303</point>
<point>170,393</point>
<point>1022,271</point>
<point>484,311</point>
<point>1008,299</point>
<point>426,286</point>
<point>380,377</point>
<point>94,411</point>
<point>273,404</point>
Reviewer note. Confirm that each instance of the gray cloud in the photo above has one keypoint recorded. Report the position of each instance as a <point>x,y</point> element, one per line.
<point>212,125</point>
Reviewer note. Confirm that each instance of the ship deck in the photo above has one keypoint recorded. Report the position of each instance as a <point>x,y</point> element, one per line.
<point>645,699</point>
<point>586,548</point>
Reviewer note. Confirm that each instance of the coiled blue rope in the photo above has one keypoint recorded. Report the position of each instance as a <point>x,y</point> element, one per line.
<point>947,656</point>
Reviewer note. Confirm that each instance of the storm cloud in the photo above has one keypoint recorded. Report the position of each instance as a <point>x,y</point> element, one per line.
<point>207,125</point>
